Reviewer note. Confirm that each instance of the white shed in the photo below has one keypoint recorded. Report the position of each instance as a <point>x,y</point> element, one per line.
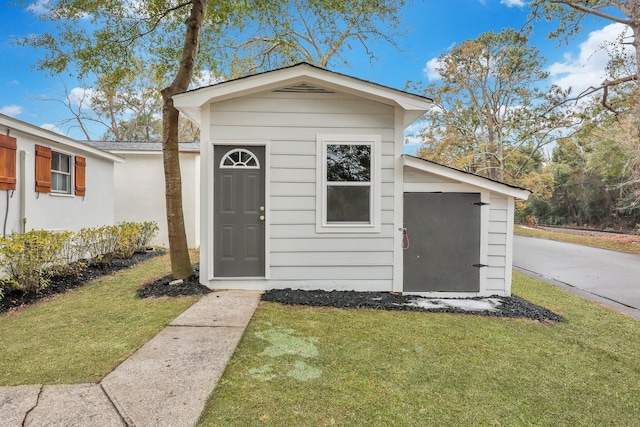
<point>304,185</point>
<point>52,182</point>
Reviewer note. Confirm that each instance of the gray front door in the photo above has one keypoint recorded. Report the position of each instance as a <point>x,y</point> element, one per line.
<point>238,211</point>
<point>444,236</point>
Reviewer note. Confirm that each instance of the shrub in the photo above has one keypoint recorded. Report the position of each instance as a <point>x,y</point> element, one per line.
<point>99,243</point>
<point>133,237</point>
<point>31,258</point>
<point>127,239</point>
<point>148,230</point>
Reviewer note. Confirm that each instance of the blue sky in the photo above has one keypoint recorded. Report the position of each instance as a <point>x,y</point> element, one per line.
<point>432,27</point>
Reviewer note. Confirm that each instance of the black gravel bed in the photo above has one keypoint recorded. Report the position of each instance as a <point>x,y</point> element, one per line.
<point>512,306</point>
<point>83,272</point>
<point>163,287</point>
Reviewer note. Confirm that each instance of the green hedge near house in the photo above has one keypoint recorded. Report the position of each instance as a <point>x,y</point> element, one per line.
<point>29,260</point>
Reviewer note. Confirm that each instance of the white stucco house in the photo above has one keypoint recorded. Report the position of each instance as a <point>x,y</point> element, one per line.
<point>51,182</point>
<point>139,186</point>
<point>303,184</point>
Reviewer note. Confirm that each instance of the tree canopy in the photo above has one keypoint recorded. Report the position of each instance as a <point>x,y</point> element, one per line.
<point>492,115</point>
<point>173,40</point>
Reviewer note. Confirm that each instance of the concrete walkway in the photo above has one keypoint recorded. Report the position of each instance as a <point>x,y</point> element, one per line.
<point>605,276</point>
<point>165,383</point>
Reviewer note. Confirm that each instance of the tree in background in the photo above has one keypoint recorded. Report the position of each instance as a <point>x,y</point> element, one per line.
<point>176,39</point>
<point>611,141</point>
<point>570,14</point>
<point>491,116</point>
<point>315,31</point>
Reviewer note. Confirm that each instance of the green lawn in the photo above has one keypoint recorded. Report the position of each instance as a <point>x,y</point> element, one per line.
<point>80,336</point>
<point>615,242</point>
<point>320,366</point>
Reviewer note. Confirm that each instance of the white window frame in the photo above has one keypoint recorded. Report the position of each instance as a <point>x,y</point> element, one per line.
<point>68,174</point>
<point>322,225</point>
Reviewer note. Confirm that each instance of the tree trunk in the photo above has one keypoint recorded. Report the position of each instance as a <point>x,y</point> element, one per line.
<point>178,249</point>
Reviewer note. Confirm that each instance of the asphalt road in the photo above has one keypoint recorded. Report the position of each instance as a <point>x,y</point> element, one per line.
<point>608,277</point>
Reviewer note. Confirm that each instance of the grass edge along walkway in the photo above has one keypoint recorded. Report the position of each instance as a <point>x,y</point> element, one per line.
<point>615,242</point>
<point>326,366</point>
<point>82,335</point>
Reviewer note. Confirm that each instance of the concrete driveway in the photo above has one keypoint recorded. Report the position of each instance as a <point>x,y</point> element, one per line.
<point>608,277</point>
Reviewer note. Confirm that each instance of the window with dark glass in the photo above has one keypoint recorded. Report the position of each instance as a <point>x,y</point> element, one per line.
<point>348,183</point>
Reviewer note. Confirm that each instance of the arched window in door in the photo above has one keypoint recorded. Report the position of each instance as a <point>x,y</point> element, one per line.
<point>239,158</point>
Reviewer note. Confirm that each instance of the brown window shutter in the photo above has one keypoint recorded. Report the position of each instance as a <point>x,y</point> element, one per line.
<point>80,173</point>
<point>8,146</point>
<point>43,169</point>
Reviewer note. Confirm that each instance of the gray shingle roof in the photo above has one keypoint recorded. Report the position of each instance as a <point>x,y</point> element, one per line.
<point>140,146</point>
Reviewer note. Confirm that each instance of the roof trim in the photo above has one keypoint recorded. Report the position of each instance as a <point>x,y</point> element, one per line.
<point>191,102</point>
<point>53,137</point>
<point>465,177</point>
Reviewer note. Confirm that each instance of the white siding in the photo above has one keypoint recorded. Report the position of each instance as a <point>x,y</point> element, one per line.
<point>496,230</point>
<point>497,273</point>
<point>289,123</point>
<point>58,212</point>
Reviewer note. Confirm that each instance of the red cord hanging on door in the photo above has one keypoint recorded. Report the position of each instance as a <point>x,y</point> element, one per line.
<point>405,244</point>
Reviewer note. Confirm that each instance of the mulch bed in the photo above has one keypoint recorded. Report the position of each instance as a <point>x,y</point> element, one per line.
<point>512,306</point>
<point>163,287</point>
<point>84,272</point>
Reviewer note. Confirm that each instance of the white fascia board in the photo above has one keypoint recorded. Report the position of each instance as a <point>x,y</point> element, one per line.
<point>191,102</point>
<point>466,178</point>
<point>47,135</point>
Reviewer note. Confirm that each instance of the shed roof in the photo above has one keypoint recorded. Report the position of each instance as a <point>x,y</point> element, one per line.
<point>465,177</point>
<point>300,75</point>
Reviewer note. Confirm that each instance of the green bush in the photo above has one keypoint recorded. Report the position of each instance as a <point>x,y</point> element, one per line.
<point>148,230</point>
<point>127,239</point>
<point>99,243</point>
<point>133,237</point>
<point>31,258</point>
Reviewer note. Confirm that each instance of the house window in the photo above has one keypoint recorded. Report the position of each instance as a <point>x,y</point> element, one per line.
<point>348,182</point>
<point>54,173</point>
<point>349,189</point>
<point>60,173</point>
<point>239,158</point>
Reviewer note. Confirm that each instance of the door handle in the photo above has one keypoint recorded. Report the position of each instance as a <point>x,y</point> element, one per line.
<point>261,217</point>
<point>261,208</point>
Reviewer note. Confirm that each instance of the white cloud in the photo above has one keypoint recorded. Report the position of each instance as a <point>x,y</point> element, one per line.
<point>81,97</point>
<point>513,3</point>
<point>45,8</point>
<point>430,69</point>
<point>588,68</point>
<point>40,7</point>
<point>412,138</point>
<point>53,128</point>
<point>11,110</point>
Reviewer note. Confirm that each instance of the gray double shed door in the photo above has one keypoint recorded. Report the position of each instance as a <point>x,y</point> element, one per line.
<point>444,228</point>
